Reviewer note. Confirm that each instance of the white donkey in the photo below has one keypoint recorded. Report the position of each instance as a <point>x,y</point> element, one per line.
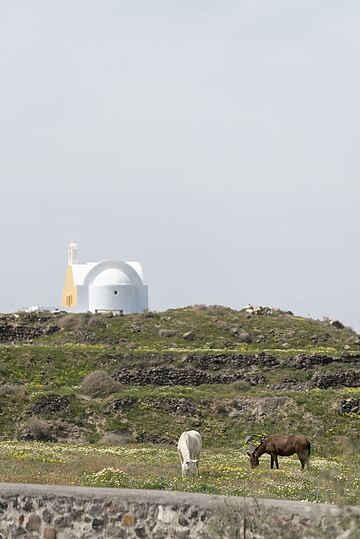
<point>189,447</point>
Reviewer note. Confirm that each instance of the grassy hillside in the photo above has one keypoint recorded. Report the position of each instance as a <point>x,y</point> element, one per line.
<point>195,328</point>
<point>228,374</point>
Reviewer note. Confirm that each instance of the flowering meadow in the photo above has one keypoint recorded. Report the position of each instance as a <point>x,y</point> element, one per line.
<point>222,471</point>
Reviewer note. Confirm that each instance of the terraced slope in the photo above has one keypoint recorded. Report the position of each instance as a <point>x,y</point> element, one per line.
<point>227,373</point>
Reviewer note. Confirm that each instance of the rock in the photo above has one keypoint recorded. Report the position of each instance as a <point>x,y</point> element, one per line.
<point>350,406</point>
<point>97,524</point>
<point>167,332</point>
<point>337,324</point>
<point>47,516</point>
<point>128,520</point>
<point>176,406</point>
<point>63,521</point>
<point>52,404</point>
<point>34,522</point>
<point>167,376</point>
<point>141,531</point>
<point>189,335</point>
<point>244,337</point>
<point>183,521</point>
<point>49,533</point>
<point>124,404</point>
<point>338,378</point>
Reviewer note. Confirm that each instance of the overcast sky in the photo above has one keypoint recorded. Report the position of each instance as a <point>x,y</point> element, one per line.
<point>216,142</point>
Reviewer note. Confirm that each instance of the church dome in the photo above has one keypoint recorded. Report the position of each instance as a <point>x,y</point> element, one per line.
<point>111,276</point>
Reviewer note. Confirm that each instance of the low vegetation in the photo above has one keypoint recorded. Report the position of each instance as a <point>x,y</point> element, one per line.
<point>192,328</point>
<point>99,384</point>
<point>222,471</point>
<point>96,390</point>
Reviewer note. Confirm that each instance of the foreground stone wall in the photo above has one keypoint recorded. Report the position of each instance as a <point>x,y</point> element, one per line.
<point>37,511</point>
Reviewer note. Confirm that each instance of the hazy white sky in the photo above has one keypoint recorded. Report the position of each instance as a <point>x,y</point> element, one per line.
<point>216,142</point>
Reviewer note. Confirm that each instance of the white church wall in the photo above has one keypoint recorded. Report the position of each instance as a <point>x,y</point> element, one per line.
<point>142,298</point>
<point>82,299</point>
<point>113,297</point>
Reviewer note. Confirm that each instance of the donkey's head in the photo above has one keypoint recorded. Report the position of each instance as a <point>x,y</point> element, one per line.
<point>189,467</point>
<point>254,459</point>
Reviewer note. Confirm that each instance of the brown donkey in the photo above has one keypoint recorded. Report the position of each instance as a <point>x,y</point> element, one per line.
<point>282,446</point>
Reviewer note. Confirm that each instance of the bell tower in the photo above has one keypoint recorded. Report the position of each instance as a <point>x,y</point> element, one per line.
<point>72,253</point>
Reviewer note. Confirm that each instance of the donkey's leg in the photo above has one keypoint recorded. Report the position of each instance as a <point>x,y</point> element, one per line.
<point>276,461</point>
<point>181,462</point>
<point>304,459</point>
<point>272,461</point>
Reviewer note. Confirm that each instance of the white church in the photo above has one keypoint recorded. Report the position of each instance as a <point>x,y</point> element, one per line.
<point>108,285</point>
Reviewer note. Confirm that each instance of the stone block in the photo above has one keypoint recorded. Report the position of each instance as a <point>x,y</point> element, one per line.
<point>128,520</point>
<point>49,533</point>
<point>34,522</point>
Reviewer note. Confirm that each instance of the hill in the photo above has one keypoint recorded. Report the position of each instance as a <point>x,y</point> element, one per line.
<point>228,373</point>
<point>143,379</point>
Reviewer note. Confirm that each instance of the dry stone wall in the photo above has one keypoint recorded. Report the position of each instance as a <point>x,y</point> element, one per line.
<point>13,333</point>
<point>46,512</point>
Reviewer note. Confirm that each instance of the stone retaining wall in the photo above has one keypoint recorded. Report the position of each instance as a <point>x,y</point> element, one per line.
<point>167,376</point>
<point>18,333</point>
<point>47,512</point>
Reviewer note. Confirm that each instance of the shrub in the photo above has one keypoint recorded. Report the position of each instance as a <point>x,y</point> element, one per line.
<point>99,384</point>
<point>37,429</point>
<point>74,322</point>
<point>149,314</point>
<point>12,390</point>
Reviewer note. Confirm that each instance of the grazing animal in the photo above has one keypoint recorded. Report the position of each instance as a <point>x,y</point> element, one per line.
<point>282,446</point>
<point>189,447</point>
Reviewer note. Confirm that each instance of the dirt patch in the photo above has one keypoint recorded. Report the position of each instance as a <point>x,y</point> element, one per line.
<point>258,408</point>
<point>181,406</point>
<point>51,431</point>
